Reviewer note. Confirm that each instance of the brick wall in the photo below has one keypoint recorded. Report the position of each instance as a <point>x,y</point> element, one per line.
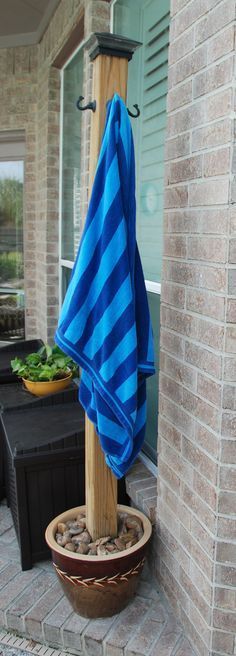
<point>196,553</point>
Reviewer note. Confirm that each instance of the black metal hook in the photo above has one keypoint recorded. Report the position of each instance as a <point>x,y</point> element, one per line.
<point>91,105</point>
<point>137,111</point>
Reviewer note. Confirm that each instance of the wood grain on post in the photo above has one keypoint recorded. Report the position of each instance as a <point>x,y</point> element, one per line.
<point>110,74</point>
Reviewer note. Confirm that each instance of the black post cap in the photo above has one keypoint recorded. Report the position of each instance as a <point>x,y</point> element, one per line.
<point>105,43</point>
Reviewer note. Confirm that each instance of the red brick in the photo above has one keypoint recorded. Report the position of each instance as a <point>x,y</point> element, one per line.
<point>177,146</point>
<point>189,15</point>
<point>210,390</point>
<point>189,117</point>
<point>192,591</point>
<point>221,45</point>
<point>174,246</point>
<point>178,370</point>
<point>171,343</point>
<point>217,134</point>
<point>181,46</point>
<point>173,295</point>
<point>178,97</point>
<point>229,424</point>
<point>203,359</point>
<point>197,221</point>
<point>226,575</point>
<point>224,620</point>
<point>176,196</point>
<point>175,414</point>
<point>195,274</point>
<point>215,20</point>
<point>209,193</point>
<point>226,528</point>
<point>170,433</point>
<point>205,248</point>
<point>170,388</point>
<point>199,460</point>
<point>229,397</point>
<point>206,491</point>
<point>229,451</point>
<point>216,162</point>
<point>223,642</point>
<point>187,66</point>
<point>206,303</point>
<point>199,507</point>
<point>227,501</point>
<point>212,78</point>
<point>185,169</point>
<point>202,410</point>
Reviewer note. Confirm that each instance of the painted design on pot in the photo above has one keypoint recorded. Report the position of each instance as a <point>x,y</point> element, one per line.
<point>78,580</point>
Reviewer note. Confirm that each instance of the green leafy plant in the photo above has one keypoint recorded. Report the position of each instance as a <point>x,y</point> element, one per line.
<point>49,363</point>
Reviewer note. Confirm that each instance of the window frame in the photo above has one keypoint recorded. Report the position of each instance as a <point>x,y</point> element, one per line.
<point>68,264</point>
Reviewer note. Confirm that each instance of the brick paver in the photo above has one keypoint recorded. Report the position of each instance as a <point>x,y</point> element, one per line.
<point>32,605</point>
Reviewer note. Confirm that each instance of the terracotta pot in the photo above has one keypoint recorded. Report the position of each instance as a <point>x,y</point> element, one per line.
<point>98,586</point>
<point>47,387</point>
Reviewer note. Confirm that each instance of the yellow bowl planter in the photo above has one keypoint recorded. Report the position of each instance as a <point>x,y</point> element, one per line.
<point>47,387</point>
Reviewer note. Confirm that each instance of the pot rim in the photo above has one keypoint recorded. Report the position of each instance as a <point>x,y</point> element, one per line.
<point>51,530</point>
<point>47,382</point>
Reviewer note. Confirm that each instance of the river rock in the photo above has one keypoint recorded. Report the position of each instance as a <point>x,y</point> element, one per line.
<point>74,536</point>
<point>134,522</point>
<point>103,540</point>
<point>111,548</point>
<point>101,550</point>
<point>76,530</point>
<point>92,551</point>
<point>65,538</point>
<point>85,537</point>
<point>120,544</point>
<point>70,546</point>
<point>83,548</point>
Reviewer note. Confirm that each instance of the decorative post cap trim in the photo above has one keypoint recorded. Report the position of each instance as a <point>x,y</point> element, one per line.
<point>105,43</point>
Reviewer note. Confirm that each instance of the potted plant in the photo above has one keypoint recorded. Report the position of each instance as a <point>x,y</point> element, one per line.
<point>99,578</point>
<point>45,372</point>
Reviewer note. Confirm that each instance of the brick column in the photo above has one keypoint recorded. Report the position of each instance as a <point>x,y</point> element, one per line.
<point>196,559</point>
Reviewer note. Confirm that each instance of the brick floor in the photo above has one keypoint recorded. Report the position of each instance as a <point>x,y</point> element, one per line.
<point>33,607</point>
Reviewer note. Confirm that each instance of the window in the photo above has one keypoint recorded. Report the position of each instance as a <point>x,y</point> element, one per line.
<point>147,85</point>
<point>12,319</point>
<point>70,170</point>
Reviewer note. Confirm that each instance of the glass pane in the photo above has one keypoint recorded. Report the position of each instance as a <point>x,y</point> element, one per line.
<point>66,274</point>
<point>11,250</point>
<point>71,158</point>
<point>150,25</point>
<point>150,445</point>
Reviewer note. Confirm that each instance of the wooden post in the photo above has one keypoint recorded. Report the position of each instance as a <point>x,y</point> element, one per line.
<point>110,55</point>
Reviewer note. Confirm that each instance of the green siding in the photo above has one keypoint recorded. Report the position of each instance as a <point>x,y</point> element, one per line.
<point>147,85</point>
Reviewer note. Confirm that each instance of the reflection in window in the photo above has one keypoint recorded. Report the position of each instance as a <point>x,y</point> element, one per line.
<point>71,158</point>
<point>11,250</point>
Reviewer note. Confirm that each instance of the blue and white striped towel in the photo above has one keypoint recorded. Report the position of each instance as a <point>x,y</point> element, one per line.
<point>104,323</point>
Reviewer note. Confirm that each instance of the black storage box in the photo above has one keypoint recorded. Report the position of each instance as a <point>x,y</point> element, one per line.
<point>10,351</point>
<point>16,396</point>
<point>44,468</point>
<point>44,461</point>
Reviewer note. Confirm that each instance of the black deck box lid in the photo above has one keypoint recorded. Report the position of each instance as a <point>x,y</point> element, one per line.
<point>15,396</point>
<point>42,428</point>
